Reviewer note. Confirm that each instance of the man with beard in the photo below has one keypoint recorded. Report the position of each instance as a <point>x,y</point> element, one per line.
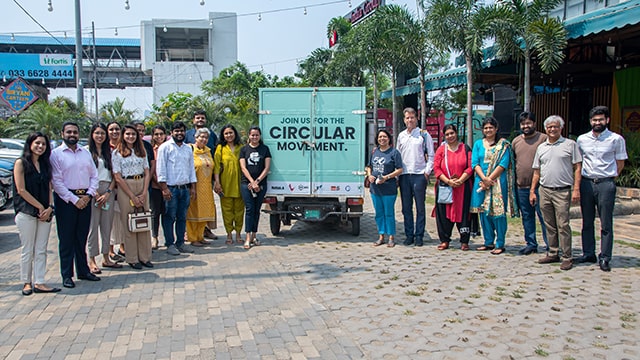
<point>524,149</point>
<point>603,154</point>
<point>200,121</point>
<point>75,181</point>
<point>177,178</point>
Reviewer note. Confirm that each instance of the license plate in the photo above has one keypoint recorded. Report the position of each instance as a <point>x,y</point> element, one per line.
<point>312,214</point>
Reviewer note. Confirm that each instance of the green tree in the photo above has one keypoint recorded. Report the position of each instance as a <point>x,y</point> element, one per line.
<point>48,118</point>
<point>460,26</point>
<point>524,28</point>
<point>313,70</point>
<point>115,111</point>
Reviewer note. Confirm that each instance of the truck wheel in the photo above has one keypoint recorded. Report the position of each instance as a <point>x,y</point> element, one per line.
<point>274,222</point>
<point>355,226</point>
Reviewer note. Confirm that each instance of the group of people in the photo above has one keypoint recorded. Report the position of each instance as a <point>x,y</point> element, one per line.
<point>93,190</point>
<point>535,175</point>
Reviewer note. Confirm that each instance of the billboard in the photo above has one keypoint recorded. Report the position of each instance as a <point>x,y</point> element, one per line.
<point>36,66</point>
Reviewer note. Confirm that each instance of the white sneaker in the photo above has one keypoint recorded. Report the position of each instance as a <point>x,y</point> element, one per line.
<point>172,250</point>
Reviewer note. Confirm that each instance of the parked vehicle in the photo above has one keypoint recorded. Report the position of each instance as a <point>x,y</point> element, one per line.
<point>13,144</point>
<point>9,154</point>
<point>6,189</point>
<point>317,141</point>
<point>6,164</point>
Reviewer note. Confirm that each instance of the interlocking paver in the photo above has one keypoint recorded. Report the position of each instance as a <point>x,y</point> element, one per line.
<point>318,292</point>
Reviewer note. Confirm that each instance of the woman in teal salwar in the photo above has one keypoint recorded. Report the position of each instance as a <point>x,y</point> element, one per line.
<point>493,186</point>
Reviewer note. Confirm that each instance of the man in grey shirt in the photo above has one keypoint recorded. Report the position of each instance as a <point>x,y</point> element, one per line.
<point>556,167</point>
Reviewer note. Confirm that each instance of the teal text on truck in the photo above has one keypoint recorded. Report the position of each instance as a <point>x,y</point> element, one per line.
<point>317,141</point>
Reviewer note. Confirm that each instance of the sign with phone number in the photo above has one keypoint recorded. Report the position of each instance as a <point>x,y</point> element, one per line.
<point>36,66</point>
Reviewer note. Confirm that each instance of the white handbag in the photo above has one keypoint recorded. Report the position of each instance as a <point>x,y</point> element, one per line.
<point>139,220</point>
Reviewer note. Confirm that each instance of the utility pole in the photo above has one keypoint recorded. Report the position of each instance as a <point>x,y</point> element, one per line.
<point>95,67</point>
<point>80,92</point>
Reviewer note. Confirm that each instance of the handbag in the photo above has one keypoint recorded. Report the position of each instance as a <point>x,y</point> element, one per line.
<point>367,183</point>
<point>445,192</point>
<point>139,220</point>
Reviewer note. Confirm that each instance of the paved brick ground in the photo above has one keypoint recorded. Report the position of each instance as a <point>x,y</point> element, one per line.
<point>318,292</point>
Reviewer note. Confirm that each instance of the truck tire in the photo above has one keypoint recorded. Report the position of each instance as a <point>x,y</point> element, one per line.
<point>274,222</point>
<point>355,226</point>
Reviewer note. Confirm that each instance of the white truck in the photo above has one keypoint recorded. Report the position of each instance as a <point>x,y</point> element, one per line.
<point>317,141</point>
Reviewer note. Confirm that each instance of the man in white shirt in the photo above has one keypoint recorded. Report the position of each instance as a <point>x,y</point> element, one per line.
<point>177,178</point>
<point>603,155</point>
<point>416,148</point>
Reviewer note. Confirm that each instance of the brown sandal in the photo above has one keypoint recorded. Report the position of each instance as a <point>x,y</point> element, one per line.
<point>379,242</point>
<point>486,248</point>
<point>443,246</point>
<point>498,251</point>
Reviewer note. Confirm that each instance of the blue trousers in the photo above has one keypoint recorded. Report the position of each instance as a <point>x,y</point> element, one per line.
<point>175,213</point>
<point>493,229</point>
<point>252,206</point>
<point>602,196</point>
<point>384,206</point>
<point>413,187</point>
<point>529,218</point>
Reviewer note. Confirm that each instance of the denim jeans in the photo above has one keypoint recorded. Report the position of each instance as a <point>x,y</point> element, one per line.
<point>529,218</point>
<point>384,206</point>
<point>175,213</point>
<point>601,195</point>
<point>252,206</point>
<point>413,187</point>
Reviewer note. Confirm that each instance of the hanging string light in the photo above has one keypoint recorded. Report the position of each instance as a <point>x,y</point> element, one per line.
<point>164,29</point>
<point>305,10</point>
<point>202,2</point>
<point>126,5</point>
<point>50,8</point>
<point>116,32</point>
<point>13,37</point>
<point>259,17</point>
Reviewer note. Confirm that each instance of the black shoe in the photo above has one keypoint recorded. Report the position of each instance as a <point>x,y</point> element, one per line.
<point>68,283</point>
<point>586,259</point>
<point>147,264</point>
<point>136,266</point>
<point>27,292</point>
<point>408,241</point>
<point>528,250</point>
<point>419,242</point>
<point>40,291</point>
<point>89,277</point>
<point>604,265</point>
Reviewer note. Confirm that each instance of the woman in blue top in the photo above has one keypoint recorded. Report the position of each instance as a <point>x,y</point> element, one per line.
<point>384,166</point>
<point>493,185</point>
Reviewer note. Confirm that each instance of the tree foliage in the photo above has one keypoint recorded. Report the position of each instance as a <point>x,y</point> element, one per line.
<point>47,117</point>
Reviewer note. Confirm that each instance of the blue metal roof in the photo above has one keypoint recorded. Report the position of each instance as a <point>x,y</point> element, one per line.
<point>605,19</point>
<point>69,41</point>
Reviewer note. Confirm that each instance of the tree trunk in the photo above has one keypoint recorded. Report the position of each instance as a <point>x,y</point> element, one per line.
<point>469,125</point>
<point>396,128</point>
<point>423,98</point>
<point>526,92</point>
<point>375,98</point>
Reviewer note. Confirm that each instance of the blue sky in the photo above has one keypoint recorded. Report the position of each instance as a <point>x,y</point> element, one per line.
<point>275,43</point>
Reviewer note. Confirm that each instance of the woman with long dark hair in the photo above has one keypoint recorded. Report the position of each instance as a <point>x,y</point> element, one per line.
<point>227,173</point>
<point>102,211</point>
<point>131,171</point>
<point>117,230</point>
<point>33,205</point>
<point>452,168</point>
<point>493,186</point>
<point>255,162</point>
<point>156,202</point>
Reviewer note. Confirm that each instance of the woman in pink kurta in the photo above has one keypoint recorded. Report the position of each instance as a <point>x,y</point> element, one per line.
<point>452,167</point>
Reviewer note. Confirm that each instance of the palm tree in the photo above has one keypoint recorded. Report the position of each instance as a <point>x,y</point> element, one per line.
<point>460,26</point>
<point>524,28</point>
<point>395,46</point>
<point>115,111</point>
<point>313,69</point>
<point>42,117</point>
